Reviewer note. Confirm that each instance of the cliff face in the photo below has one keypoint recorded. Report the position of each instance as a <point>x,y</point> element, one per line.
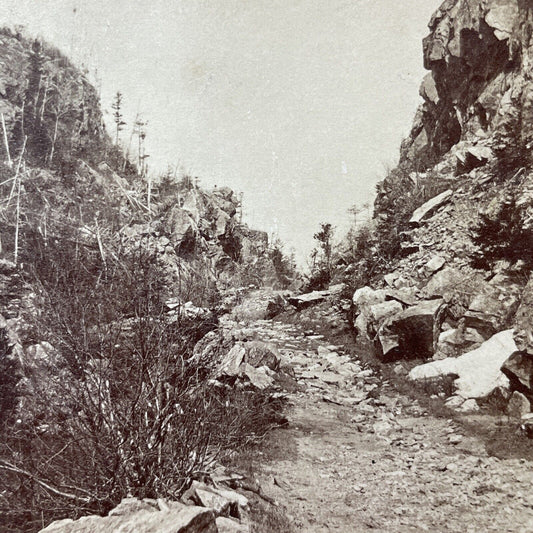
<point>479,55</point>
<point>460,202</point>
<point>473,133</point>
<point>74,179</point>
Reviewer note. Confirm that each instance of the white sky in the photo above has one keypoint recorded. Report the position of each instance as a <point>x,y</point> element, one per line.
<point>299,104</point>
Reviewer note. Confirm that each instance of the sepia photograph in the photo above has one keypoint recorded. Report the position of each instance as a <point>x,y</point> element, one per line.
<point>266,266</point>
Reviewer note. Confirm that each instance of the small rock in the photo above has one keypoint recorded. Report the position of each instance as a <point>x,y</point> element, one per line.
<point>469,406</point>
<point>518,405</point>
<point>435,263</point>
<point>382,428</point>
<point>399,370</point>
<point>455,439</point>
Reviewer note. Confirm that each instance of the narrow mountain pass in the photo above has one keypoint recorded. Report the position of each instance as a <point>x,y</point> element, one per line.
<point>359,456</point>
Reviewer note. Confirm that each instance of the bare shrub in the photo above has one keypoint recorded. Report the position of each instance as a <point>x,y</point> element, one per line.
<point>119,407</point>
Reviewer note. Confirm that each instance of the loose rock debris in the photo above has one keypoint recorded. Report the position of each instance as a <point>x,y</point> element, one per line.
<point>361,457</point>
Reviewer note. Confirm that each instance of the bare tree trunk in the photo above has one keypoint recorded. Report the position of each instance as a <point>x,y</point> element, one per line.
<point>16,253</point>
<point>54,141</point>
<point>6,142</point>
<point>43,106</point>
<point>17,176</point>
<point>17,171</point>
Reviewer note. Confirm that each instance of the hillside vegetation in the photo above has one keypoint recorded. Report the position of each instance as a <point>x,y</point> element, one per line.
<point>443,268</point>
<point>108,283</point>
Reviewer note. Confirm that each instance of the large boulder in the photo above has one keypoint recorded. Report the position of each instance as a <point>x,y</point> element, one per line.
<point>175,517</point>
<point>315,297</point>
<point>494,306</point>
<point>363,299</point>
<point>478,372</point>
<point>414,331</point>
<point>255,362</point>
<point>259,353</point>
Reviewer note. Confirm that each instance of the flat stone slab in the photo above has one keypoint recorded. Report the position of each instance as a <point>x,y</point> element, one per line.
<point>478,371</point>
<point>427,209</point>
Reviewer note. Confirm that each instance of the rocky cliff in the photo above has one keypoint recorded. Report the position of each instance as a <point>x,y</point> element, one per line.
<point>464,187</point>
<point>479,84</point>
<point>107,282</point>
<point>59,162</point>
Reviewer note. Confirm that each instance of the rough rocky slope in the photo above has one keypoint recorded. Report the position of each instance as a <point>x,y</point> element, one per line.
<point>72,174</point>
<point>132,273</point>
<point>460,275</point>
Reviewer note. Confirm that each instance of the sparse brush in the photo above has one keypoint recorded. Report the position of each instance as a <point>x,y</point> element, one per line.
<point>118,407</point>
<point>504,234</point>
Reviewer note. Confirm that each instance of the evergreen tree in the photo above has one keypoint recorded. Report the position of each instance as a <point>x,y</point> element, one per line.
<point>31,124</point>
<point>116,106</point>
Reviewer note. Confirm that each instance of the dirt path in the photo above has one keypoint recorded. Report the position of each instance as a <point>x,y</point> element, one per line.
<point>360,457</point>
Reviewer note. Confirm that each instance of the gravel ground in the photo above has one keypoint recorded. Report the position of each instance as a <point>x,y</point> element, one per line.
<point>359,456</point>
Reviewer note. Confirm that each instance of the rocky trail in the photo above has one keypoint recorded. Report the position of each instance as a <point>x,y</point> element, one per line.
<point>359,456</point>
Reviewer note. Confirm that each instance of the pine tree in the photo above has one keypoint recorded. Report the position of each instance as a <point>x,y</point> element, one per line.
<point>139,129</point>
<point>31,119</point>
<point>117,115</point>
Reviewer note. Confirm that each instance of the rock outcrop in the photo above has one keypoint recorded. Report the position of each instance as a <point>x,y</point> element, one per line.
<point>209,510</point>
<point>461,203</point>
<point>478,372</point>
<point>478,55</point>
<point>174,518</point>
<point>469,132</point>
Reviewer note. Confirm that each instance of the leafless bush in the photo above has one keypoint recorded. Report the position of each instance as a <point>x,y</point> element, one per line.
<point>119,407</point>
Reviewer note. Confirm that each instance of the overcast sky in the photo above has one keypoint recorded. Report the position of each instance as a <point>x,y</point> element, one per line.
<point>299,104</point>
